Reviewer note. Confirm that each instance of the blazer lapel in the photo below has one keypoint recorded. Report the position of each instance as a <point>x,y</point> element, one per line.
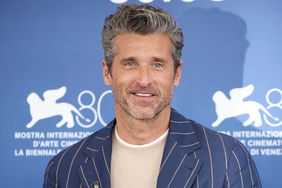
<point>179,167</point>
<point>95,170</point>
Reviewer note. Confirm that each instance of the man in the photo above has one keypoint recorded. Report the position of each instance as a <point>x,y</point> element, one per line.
<point>149,144</point>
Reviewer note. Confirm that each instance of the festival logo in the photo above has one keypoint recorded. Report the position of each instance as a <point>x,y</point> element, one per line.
<point>49,107</point>
<point>237,105</point>
<point>49,143</point>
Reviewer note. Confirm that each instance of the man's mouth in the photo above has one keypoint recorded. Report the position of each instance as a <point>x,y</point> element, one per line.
<point>144,94</point>
<point>142,97</point>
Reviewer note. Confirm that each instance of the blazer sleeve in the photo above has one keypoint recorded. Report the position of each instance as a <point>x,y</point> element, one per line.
<point>50,176</point>
<point>241,171</point>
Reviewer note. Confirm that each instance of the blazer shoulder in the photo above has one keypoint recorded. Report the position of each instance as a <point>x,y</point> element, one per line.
<point>219,143</point>
<point>70,158</point>
<point>216,138</point>
<point>205,135</point>
<point>77,148</point>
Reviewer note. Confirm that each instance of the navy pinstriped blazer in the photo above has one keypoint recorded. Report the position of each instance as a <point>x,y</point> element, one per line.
<point>194,156</point>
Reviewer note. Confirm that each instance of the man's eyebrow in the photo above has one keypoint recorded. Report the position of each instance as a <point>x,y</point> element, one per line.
<point>153,59</point>
<point>159,59</point>
<point>128,59</point>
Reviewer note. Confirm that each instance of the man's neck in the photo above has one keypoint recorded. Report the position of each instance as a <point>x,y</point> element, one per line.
<point>135,131</point>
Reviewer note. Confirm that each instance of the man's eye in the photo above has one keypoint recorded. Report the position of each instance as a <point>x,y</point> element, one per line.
<point>158,66</point>
<point>130,64</point>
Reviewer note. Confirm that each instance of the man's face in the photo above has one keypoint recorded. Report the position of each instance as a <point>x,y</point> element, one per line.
<point>142,74</point>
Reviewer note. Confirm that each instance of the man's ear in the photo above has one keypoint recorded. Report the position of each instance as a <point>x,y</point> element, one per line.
<point>107,74</point>
<point>177,75</point>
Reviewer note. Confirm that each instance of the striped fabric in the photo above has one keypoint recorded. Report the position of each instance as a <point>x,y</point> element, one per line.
<point>194,156</point>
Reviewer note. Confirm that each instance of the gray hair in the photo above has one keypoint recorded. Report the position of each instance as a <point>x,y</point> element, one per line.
<point>142,19</point>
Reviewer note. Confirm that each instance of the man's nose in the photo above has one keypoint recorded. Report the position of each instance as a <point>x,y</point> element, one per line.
<point>145,76</point>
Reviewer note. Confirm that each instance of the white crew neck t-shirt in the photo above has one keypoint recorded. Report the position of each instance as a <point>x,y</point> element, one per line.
<point>136,166</point>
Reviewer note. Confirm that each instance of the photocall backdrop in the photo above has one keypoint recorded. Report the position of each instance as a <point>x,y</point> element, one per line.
<point>52,92</point>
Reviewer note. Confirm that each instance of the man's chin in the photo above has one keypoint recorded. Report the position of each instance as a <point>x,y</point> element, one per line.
<point>144,114</point>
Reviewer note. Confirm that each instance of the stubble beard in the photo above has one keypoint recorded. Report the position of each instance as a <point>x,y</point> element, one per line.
<point>148,115</point>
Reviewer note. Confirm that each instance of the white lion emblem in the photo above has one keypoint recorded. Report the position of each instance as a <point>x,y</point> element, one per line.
<point>235,106</point>
<point>48,107</point>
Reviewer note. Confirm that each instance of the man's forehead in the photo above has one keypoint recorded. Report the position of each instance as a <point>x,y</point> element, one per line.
<point>130,39</point>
